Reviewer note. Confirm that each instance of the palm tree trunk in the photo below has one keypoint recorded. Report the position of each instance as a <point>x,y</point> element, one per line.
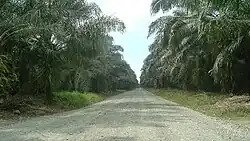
<point>49,91</point>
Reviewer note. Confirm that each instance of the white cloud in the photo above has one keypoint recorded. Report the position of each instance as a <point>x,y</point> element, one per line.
<point>130,11</point>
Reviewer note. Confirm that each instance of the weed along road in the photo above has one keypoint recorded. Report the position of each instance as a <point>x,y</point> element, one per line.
<point>132,116</point>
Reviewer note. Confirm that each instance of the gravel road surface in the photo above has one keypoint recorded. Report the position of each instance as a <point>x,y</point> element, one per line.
<point>132,116</point>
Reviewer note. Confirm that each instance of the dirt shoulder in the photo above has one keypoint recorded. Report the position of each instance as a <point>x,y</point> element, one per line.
<point>20,109</point>
<point>132,116</point>
<point>235,109</point>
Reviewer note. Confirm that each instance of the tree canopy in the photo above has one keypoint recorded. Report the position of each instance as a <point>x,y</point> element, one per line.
<point>202,45</point>
<point>54,45</point>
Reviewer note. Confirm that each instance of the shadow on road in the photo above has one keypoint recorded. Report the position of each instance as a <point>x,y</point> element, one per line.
<point>120,112</point>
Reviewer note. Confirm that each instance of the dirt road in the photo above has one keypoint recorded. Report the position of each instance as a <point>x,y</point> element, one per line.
<point>132,116</point>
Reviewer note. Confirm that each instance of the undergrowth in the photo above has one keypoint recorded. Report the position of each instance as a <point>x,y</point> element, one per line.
<point>73,100</point>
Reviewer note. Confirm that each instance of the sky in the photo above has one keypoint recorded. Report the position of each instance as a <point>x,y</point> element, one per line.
<point>136,16</point>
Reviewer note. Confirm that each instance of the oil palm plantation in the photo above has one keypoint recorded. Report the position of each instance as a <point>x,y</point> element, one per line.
<point>202,45</point>
<point>52,45</point>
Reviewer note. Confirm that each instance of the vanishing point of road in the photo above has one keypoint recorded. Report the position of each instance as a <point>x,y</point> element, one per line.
<point>132,116</point>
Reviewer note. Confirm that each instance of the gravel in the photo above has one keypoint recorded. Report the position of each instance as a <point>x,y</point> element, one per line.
<point>132,116</point>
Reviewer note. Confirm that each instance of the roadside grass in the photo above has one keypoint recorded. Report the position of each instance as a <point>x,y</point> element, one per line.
<point>35,106</point>
<point>211,104</point>
<point>74,100</point>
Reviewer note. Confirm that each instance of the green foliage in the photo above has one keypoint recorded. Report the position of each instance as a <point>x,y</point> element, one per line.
<point>74,100</point>
<point>8,78</point>
<point>201,46</point>
<point>57,45</point>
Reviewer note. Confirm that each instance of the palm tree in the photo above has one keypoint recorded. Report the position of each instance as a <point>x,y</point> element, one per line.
<point>201,41</point>
<point>55,44</point>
